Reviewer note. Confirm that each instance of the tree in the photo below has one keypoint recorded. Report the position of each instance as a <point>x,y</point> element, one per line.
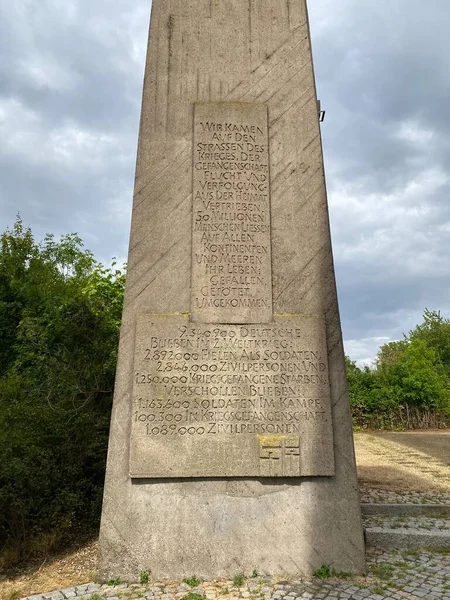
<point>414,377</point>
<point>435,332</point>
<point>16,252</point>
<point>410,384</point>
<point>389,354</point>
<point>360,385</point>
<point>60,314</point>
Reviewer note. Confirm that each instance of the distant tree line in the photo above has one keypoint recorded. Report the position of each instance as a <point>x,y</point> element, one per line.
<point>60,314</point>
<point>409,384</point>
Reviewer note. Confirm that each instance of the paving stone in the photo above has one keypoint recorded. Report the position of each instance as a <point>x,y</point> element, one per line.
<point>415,575</point>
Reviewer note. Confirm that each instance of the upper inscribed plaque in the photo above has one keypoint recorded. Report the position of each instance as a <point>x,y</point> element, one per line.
<point>231,249</point>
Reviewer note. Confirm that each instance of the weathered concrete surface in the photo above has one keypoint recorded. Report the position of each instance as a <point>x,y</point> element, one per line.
<point>247,52</point>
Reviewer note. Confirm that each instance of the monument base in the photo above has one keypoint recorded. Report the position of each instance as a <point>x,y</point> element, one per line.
<point>220,528</point>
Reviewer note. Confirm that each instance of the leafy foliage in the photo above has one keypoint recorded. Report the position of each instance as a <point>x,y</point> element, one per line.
<point>410,383</point>
<point>59,320</point>
<point>435,332</point>
<point>193,581</point>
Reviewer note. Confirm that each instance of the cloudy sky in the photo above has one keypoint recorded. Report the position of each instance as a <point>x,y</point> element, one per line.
<point>70,90</point>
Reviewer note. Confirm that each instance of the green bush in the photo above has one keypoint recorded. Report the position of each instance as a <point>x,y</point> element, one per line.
<point>409,386</point>
<point>60,312</point>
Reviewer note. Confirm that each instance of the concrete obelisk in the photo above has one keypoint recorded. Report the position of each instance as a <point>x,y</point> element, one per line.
<point>231,443</point>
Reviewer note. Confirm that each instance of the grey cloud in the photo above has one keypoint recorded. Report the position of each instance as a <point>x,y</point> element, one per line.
<point>71,81</point>
<point>70,90</point>
<point>383,76</point>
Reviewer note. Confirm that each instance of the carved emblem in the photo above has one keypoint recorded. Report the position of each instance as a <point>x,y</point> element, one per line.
<point>279,455</point>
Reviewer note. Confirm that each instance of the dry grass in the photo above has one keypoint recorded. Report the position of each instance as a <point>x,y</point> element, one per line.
<point>404,461</point>
<point>57,572</point>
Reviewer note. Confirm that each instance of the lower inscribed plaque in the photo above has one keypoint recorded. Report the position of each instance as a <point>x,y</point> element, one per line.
<point>231,400</point>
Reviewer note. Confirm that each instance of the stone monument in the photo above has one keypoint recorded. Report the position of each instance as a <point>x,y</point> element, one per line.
<point>231,443</point>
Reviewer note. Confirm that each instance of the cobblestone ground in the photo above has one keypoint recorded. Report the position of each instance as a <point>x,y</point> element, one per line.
<point>388,497</point>
<point>399,575</point>
<point>393,575</point>
<point>420,524</point>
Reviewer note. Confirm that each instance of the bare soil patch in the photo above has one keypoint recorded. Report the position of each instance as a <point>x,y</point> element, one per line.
<point>434,443</point>
<point>404,461</point>
<point>57,572</point>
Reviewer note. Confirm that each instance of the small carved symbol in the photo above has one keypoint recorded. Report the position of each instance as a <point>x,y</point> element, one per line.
<point>292,457</point>
<point>279,455</point>
<point>270,456</point>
